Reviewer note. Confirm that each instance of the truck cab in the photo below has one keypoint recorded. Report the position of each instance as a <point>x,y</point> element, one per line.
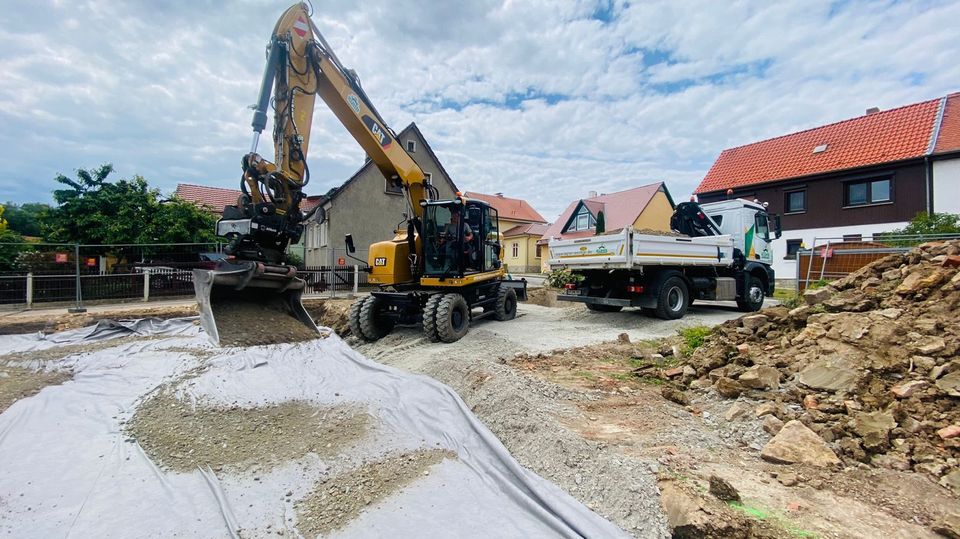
<point>748,223</point>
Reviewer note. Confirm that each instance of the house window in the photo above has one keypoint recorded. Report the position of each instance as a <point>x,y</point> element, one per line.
<point>411,146</point>
<point>324,231</point>
<point>538,250</point>
<point>582,221</point>
<point>861,193</point>
<point>853,237</point>
<point>792,247</point>
<point>795,201</point>
<point>515,249</point>
<point>391,188</point>
<point>428,178</point>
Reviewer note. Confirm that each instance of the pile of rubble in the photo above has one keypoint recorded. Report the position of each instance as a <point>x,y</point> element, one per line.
<point>869,365</point>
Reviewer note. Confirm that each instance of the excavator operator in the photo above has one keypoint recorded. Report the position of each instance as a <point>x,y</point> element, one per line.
<point>449,240</point>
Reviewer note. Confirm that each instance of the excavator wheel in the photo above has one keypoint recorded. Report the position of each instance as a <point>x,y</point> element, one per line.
<point>506,304</point>
<point>373,324</point>
<point>430,318</point>
<point>453,318</point>
<point>355,317</point>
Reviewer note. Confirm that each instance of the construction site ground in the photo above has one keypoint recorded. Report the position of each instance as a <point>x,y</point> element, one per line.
<point>579,398</point>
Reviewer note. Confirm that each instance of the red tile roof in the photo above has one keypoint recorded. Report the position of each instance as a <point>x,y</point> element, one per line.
<point>213,198</point>
<point>949,136</point>
<point>620,209</point>
<point>509,208</point>
<point>529,229</point>
<point>881,137</point>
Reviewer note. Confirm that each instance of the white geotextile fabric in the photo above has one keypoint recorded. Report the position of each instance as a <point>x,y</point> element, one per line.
<point>67,470</point>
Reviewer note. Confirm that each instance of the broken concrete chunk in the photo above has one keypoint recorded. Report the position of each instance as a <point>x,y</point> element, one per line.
<point>766,408</point>
<point>952,480</point>
<point>761,377</point>
<point>949,526</point>
<point>828,376</point>
<point>771,425</point>
<point>812,297</point>
<point>728,388</point>
<point>931,345</point>
<point>951,431</point>
<point>950,384</point>
<point>874,428</point>
<point>739,410</point>
<point>795,443</point>
<point>743,349</point>
<point>754,321</point>
<point>907,389</point>
<point>892,313</point>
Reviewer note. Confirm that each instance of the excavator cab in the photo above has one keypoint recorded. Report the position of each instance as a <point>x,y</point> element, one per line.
<point>460,238</point>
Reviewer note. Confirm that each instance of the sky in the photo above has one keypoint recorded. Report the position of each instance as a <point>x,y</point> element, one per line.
<point>543,100</point>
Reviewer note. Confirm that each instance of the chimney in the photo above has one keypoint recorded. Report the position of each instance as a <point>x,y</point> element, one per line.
<point>593,194</point>
<point>873,110</point>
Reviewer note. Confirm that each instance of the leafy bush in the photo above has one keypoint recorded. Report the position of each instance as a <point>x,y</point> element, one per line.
<point>693,337</point>
<point>560,277</point>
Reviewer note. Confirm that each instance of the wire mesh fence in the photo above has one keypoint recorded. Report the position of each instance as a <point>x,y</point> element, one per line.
<point>828,259</point>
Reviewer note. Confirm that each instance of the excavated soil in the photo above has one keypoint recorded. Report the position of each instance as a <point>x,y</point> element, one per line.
<point>547,297</point>
<point>331,313</point>
<point>336,501</point>
<point>61,352</point>
<point>242,323</point>
<point>29,322</point>
<point>182,437</point>
<point>17,383</point>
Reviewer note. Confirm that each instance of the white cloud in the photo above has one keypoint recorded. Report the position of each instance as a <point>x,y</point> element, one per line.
<point>161,88</point>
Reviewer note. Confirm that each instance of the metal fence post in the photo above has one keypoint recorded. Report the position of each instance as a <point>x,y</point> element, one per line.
<point>356,279</point>
<point>146,286</point>
<point>78,308</point>
<point>29,289</point>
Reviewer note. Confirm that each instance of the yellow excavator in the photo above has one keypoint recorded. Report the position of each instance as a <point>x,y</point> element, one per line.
<point>445,264</point>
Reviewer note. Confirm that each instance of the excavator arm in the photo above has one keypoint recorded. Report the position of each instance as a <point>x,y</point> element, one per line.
<point>267,218</point>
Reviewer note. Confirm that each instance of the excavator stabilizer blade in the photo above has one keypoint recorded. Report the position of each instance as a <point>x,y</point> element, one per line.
<point>241,305</point>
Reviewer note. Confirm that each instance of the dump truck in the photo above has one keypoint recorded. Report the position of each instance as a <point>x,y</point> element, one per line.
<point>716,251</point>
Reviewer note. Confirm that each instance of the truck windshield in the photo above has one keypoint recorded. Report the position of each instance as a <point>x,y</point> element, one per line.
<point>763,227</point>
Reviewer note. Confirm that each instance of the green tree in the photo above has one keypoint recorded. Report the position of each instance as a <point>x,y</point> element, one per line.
<point>601,224</point>
<point>8,253</point>
<point>92,210</point>
<point>25,219</point>
<point>931,223</point>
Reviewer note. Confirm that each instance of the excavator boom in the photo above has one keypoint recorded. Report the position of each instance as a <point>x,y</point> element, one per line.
<point>267,218</point>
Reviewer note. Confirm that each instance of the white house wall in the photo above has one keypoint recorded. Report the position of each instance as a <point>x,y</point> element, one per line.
<point>946,186</point>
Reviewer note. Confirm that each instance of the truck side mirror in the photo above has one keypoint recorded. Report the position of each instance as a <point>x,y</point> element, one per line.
<point>349,240</point>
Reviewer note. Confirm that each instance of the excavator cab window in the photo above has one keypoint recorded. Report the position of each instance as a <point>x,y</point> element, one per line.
<point>491,241</point>
<point>446,240</point>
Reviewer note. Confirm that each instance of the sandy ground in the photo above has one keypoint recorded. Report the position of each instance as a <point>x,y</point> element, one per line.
<point>528,413</point>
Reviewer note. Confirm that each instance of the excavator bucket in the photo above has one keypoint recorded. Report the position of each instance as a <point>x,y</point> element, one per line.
<point>251,303</point>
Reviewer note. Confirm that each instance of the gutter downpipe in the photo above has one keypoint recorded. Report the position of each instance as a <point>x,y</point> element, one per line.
<point>928,163</point>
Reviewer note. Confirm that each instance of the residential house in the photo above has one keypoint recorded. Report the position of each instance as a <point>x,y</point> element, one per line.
<point>214,199</point>
<point>368,207</point>
<point>848,180</point>
<point>644,208</point>
<point>521,227</point>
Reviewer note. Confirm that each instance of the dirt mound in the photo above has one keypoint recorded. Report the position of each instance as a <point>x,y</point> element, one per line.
<point>244,323</point>
<point>869,364</point>
<point>179,436</point>
<point>547,297</point>
<point>17,383</point>
<point>336,501</point>
<point>331,313</point>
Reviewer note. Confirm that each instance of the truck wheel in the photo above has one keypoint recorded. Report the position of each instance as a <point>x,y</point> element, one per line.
<point>673,299</point>
<point>374,325</point>
<point>754,296</point>
<point>506,304</point>
<point>604,308</point>
<point>453,318</point>
<point>354,317</point>
<point>430,318</point>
